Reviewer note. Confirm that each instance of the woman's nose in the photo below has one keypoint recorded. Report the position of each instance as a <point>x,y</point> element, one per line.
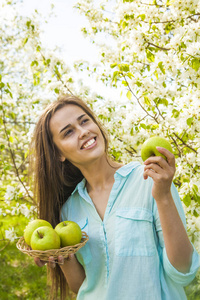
<point>83,132</point>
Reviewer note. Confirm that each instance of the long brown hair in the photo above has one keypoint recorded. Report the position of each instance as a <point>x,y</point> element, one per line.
<point>54,180</point>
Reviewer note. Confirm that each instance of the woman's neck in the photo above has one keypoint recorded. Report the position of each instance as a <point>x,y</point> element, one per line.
<point>100,174</point>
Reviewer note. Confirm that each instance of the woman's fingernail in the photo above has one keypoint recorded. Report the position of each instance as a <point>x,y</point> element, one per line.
<point>61,260</point>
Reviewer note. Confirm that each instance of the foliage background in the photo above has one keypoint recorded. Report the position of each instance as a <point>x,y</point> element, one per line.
<point>150,52</point>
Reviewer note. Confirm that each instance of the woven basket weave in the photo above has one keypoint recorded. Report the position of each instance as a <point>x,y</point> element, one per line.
<point>44,255</point>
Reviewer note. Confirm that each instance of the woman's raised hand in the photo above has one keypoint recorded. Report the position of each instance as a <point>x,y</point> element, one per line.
<point>162,172</point>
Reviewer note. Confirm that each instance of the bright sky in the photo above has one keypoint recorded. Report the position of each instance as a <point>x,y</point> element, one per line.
<point>64,30</point>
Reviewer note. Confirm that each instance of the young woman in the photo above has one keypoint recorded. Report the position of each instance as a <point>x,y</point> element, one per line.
<point>138,247</point>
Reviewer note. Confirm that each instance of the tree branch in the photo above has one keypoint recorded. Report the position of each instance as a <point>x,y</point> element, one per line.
<point>11,151</point>
<point>57,74</point>
<point>161,48</point>
<point>188,146</point>
<point>153,117</point>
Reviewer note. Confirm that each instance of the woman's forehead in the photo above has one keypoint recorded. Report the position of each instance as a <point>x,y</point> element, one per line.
<point>68,114</point>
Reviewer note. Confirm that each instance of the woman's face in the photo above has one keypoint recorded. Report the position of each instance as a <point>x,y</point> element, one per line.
<point>76,135</point>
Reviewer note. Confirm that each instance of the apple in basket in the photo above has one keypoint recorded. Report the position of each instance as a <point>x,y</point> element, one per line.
<point>69,232</point>
<point>31,227</point>
<point>45,238</point>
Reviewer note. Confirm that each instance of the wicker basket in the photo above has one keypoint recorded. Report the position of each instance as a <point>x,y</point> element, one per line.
<point>44,255</point>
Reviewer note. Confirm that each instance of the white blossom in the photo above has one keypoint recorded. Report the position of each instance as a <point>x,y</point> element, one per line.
<point>10,234</point>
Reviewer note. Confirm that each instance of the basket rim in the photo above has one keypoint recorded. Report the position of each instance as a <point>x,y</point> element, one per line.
<point>21,244</point>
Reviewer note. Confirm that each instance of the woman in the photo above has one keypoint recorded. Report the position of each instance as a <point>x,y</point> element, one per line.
<point>138,247</point>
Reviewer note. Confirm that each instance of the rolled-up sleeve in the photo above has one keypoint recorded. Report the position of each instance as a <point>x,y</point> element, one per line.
<point>181,278</point>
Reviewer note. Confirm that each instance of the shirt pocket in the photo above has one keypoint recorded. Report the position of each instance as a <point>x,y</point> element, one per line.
<point>134,233</point>
<point>84,254</point>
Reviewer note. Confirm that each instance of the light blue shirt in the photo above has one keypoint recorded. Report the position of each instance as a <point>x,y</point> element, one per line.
<point>125,257</point>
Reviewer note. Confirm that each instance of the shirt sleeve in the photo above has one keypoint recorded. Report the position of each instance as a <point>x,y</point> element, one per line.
<point>178,277</point>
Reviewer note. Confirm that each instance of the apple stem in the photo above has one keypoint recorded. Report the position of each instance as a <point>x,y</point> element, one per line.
<point>40,234</point>
<point>64,224</point>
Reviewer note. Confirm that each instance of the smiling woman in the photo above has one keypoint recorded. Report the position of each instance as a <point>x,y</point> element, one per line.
<point>80,133</point>
<point>138,246</point>
<point>67,126</point>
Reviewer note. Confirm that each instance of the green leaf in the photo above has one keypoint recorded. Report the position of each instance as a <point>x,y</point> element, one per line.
<point>2,85</point>
<point>138,83</point>
<point>132,131</point>
<point>195,188</point>
<point>28,23</point>
<point>115,75</point>
<point>160,65</point>
<point>56,90</point>
<point>150,55</point>
<point>12,114</point>
<point>156,74</point>
<point>38,48</point>
<point>147,100</point>
<point>175,113</point>
<point>169,27</point>
<point>154,126</point>
<point>142,16</point>
<point>11,139</point>
<point>34,63</point>
<point>189,121</point>
<point>129,95</point>
<point>123,67</point>
<point>25,41</point>
<point>143,125</point>
<point>130,75</point>
<point>124,82</point>
<point>195,64</point>
<point>187,200</point>
<point>113,65</point>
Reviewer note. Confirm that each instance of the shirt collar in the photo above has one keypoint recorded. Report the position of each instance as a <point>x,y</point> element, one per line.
<point>123,171</point>
<point>127,169</point>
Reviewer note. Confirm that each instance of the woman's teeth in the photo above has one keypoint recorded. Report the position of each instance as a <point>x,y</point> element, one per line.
<point>89,143</point>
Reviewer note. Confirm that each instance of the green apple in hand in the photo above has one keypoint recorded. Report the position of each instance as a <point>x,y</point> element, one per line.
<point>30,228</point>
<point>149,147</point>
<point>69,232</point>
<point>45,238</point>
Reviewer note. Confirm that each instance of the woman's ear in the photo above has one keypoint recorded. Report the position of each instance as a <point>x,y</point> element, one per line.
<point>62,158</point>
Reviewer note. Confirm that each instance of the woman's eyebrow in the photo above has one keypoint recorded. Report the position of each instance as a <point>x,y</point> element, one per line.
<point>78,119</point>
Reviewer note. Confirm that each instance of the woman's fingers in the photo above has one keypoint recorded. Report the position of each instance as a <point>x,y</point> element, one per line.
<point>51,261</point>
<point>61,260</point>
<point>170,159</point>
<point>39,262</point>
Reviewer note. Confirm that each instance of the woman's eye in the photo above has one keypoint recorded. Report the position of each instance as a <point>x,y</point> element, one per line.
<point>84,121</point>
<point>68,132</point>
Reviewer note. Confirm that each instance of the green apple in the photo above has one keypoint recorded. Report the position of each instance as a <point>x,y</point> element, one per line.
<point>45,238</point>
<point>149,147</point>
<point>69,232</point>
<point>30,228</point>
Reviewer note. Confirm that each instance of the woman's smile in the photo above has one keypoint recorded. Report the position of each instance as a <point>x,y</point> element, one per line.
<point>89,144</point>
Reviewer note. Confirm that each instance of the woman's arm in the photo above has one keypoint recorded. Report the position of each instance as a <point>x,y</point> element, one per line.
<point>71,268</point>
<point>178,247</point>
<point>73,272</point>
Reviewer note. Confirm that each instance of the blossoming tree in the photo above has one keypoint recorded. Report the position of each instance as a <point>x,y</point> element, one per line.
<point>150,53</point>
<point>30,77</point>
